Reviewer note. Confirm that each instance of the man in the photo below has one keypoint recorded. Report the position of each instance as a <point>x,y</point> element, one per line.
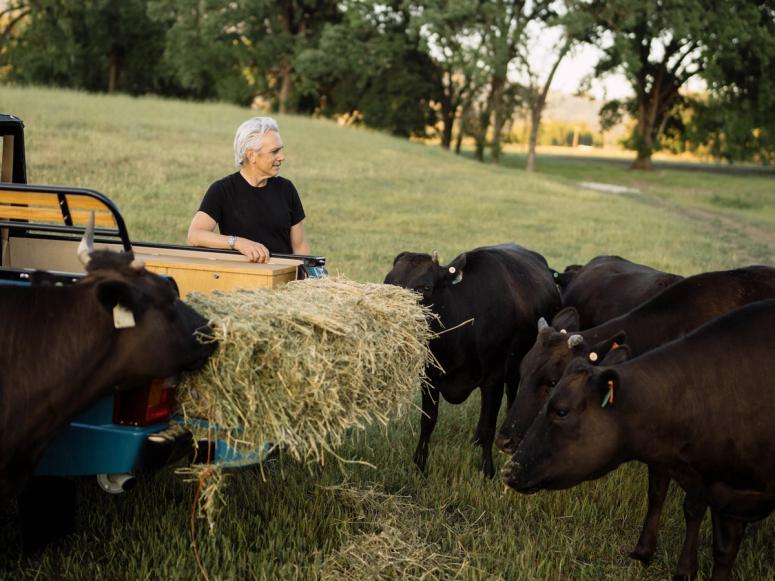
<point>257,211</point>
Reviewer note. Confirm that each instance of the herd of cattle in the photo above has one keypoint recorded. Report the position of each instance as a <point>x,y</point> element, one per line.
<point>636,364</point>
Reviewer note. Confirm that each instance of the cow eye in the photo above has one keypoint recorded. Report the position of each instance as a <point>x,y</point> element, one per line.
<point>427,288</point>
<point>552,382</point>
<point>561,412</point>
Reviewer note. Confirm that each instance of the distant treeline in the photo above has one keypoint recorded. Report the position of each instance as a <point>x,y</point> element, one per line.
<point>444,68</point>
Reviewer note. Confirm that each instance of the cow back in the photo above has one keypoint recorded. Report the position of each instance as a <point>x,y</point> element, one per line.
<point>505,289</point>
<point>688,304</point>
<point>609,286</point>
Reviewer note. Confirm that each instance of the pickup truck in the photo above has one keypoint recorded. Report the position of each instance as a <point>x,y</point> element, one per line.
<point>127,432</point>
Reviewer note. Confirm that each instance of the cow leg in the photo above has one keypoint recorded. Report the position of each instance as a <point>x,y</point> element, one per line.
<point>727,534</point>
<point>430,413</point>
<point>694,512</point>
<point>511,393</point>
<point>492,395</point>
<point>476,438</point>
<point>659,482</point>
<point>517,352</point>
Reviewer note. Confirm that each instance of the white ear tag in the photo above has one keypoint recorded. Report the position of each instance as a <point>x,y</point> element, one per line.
<point>563,331</point>
<point>458,278</point>
<point>122,317</point>
<point>593,356</point>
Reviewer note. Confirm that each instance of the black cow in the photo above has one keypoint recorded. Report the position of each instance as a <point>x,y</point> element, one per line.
<point>609,286</point>
<point>702,406</point>
<point>504,289</point>
<point>60,349</point>
<point>676,311</point>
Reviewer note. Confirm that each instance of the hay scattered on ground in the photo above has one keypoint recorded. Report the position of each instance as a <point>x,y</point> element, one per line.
<point>299,365</point>
<point>393,544</point>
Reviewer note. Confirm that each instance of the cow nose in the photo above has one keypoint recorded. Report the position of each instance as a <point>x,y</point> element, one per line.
<point>505,444</point>
<point>205,336</point>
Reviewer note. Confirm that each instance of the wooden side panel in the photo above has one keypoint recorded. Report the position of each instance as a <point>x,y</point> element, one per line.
<point>42,207</point>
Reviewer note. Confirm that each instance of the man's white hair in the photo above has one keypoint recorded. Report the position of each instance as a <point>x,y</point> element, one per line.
<point>250,135</point>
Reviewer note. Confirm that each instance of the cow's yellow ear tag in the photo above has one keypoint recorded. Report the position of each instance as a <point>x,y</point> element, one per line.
<point>123,318</point>
<point>609,397</point>
<point>593,356</point>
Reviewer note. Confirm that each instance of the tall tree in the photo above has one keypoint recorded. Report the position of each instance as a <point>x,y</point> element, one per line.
<point>659,45</point>
<point>454,41</point>
<point>240,50</point>
<point>506,23</point>
<point>12,14</point>
<point>737,119</point>
<point>371,67</point>
<point>102,45</point>
<point>535,93</point>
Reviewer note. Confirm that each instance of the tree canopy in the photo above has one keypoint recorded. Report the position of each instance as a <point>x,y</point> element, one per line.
<point>444,68</point>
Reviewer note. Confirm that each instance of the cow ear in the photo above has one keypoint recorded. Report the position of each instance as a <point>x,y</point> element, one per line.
<point>398,257</point>
<point>563,279</point>
<point>454,271</point>
<point>617,355</point>
<point>460,262</point>
<point>605,347</point>
<point>607,386</point>
<point>115,292</point>
<point>567,318</point>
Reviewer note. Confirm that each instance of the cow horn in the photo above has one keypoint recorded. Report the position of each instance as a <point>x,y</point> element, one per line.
<point>137,264</point>
<point>435,256</point>
<point>542,324</point>
<point>86,247</point>
<point>575,341</point>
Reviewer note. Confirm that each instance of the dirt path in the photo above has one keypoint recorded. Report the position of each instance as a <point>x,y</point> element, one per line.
<point>737,232</point>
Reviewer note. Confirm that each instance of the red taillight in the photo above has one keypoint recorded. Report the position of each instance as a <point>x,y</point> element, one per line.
<point>144,405</point>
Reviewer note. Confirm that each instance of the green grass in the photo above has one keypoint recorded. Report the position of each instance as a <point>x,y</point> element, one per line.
<point>368,197</point>
<point>745,202</point>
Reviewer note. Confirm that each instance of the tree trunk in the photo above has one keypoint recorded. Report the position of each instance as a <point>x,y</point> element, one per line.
<point>114,69</point>
<point>643,161</point>
<point>459,140</point>
<point>464,113</point>
<point>498,106</point>
<point>448,120</point>
<point>481,133</point>
<point>644,144</point>
<point>286,83</point>
<point>480,143</point>
<point>535,123</point>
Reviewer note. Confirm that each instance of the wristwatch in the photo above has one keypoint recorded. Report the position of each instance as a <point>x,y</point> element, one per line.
<point>232,241</point>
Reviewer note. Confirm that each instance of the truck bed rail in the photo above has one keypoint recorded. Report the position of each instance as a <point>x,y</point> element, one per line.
<point>60,209</point>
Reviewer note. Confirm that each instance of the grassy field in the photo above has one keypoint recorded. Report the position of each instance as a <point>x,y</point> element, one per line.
<point>369,197</point>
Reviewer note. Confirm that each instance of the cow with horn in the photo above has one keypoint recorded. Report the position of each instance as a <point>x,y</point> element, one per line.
<point>62,347</point>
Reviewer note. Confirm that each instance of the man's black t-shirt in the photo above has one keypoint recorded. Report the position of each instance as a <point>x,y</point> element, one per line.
<point>263,215</point>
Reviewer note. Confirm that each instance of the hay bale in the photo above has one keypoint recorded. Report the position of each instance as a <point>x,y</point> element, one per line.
<point>298,366</point>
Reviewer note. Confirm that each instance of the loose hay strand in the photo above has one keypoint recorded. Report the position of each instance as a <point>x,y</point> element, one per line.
<point>300,365</point>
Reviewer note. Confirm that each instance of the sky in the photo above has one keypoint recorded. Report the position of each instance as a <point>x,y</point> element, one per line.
<point>581,63</point>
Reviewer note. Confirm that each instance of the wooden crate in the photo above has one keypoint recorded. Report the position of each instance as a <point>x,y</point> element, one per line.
<point>206,275</point>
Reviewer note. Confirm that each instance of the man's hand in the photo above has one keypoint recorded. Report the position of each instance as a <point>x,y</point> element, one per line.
<point>255,251</point>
